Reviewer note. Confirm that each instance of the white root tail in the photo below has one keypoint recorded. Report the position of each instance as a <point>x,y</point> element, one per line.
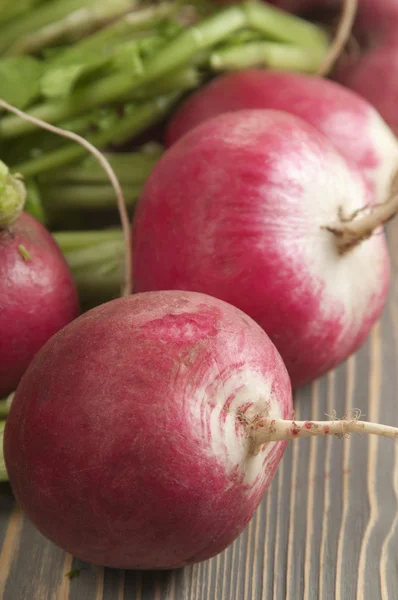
<point>351,231</point>
<point>265,430</point>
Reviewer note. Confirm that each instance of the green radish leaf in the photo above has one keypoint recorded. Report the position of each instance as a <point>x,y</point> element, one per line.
<point>60,80</point>
<point>20,80</point>
<point>11,9</point>
<point>127,57</point>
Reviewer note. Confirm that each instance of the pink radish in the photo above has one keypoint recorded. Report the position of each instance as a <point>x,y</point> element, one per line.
<point>377,19</point>
<point>259,209</point>
<point>37,293</point>
<point>347,120</point>
<point>136,451</point>
<point>162,424</point>
<point>375,77</point>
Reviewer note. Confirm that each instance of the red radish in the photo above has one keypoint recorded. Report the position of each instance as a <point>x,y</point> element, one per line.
<point>249,207</point>
<point>136,452</point>
<point>344,117</point>
<point>375,77</point>
<point>37,293</point>
<point>377,19</point>
<point>156,456</point>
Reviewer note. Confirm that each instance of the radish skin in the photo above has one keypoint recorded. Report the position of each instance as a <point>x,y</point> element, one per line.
<point>375,77</point>
<point>242,208</point>
<point>377,20</point>
<point>135,453</point>
<point>351,123</point>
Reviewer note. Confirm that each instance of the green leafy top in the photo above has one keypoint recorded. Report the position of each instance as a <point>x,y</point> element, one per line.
<point>20,80</point>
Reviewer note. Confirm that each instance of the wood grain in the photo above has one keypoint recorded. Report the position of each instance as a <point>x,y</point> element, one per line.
<point>327,528</point>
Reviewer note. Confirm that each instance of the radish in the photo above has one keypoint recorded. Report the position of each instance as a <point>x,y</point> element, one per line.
<point>37,294</point>
<point>259,209</point>
<point>375,77</point>
<point>156,456</point>
<point>136,452</point>
<point>377,20</point>
<point>347,120</point>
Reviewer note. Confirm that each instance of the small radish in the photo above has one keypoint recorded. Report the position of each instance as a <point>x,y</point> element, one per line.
<point>377,20</point>
<point>136,451</point>
<point>37,293</point>
<point>344,117</point>
<point>259,209</point>
<point>155,437</point>
<point>374,76</point>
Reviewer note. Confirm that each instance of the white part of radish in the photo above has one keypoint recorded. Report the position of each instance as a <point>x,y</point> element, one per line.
<point>227,441</point>
<point>350,280</point>
<point>384,144</point>
<point>386,149</point>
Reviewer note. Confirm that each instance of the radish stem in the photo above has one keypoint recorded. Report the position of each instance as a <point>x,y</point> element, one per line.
<point>76,240</point>
<point>282,26</point>
<point>96,259</point>
<point>75,23</point>
<point>145,18</point>
<point>143,116</point>
<point>179,52</point>
<point>87,196</point>
<point>130,168</point>
<point>12,196</point>
<point>267,54</point>
<point>37,18</point>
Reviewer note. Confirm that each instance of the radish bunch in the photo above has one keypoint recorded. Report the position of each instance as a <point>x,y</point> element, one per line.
<point>144,433</point>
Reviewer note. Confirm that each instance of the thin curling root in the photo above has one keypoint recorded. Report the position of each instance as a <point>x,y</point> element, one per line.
<point>342,36</point>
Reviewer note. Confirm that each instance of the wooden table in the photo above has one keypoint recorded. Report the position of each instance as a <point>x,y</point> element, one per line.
<point>327,528</point>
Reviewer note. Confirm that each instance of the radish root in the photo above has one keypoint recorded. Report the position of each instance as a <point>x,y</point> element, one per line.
<point>342,36</point>
<point>350,231</point>
<point>121,203</point>
<point>263,430</point>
